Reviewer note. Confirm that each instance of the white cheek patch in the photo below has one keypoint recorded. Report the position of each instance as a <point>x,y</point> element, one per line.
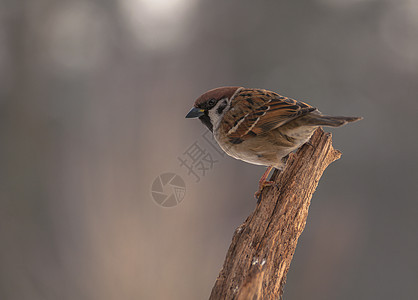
<point>214,115</point>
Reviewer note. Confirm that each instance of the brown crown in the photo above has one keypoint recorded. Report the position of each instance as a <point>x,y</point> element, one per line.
<point>217,94</point>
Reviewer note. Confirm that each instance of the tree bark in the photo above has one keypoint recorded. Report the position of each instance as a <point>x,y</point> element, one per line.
<point>262,248</point>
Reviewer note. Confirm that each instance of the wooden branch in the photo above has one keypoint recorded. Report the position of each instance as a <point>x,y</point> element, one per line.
<point>263,246</point>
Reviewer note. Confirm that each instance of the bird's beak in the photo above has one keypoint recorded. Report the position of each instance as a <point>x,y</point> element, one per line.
<point>195,113</point>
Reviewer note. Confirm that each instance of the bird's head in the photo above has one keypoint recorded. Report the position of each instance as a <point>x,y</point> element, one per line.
<point>212,105</point>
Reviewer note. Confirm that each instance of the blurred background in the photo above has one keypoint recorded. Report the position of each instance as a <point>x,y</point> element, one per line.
<point>93,96</point>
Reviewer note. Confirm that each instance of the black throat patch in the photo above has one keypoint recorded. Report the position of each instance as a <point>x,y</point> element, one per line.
<point>206,121</point>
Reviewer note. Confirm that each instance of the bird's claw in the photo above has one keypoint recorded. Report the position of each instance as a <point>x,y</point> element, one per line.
<point>263,185</point>
<point>309,144</point>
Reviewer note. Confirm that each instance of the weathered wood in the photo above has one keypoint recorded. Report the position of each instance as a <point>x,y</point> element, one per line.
<point>262,248</point>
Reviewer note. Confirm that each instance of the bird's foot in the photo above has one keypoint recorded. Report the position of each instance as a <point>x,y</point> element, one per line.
<point>263,185</point>
<point>309,144</point>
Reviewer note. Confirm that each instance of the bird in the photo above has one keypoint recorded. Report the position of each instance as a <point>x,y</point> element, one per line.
<point>259,126</point>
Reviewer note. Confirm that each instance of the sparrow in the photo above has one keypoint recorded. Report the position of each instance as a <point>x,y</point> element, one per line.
<point>259,126</point>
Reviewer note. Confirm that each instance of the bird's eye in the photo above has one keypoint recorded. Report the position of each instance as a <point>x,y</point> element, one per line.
<point>212,102</point>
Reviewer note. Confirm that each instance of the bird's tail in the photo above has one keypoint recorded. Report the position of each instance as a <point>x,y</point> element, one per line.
<point>333,121</point>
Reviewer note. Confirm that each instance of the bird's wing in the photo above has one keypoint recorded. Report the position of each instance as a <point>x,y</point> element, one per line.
<point>256,112</point>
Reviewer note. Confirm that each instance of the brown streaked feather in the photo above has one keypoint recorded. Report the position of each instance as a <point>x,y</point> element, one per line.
<point>258,111</point>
